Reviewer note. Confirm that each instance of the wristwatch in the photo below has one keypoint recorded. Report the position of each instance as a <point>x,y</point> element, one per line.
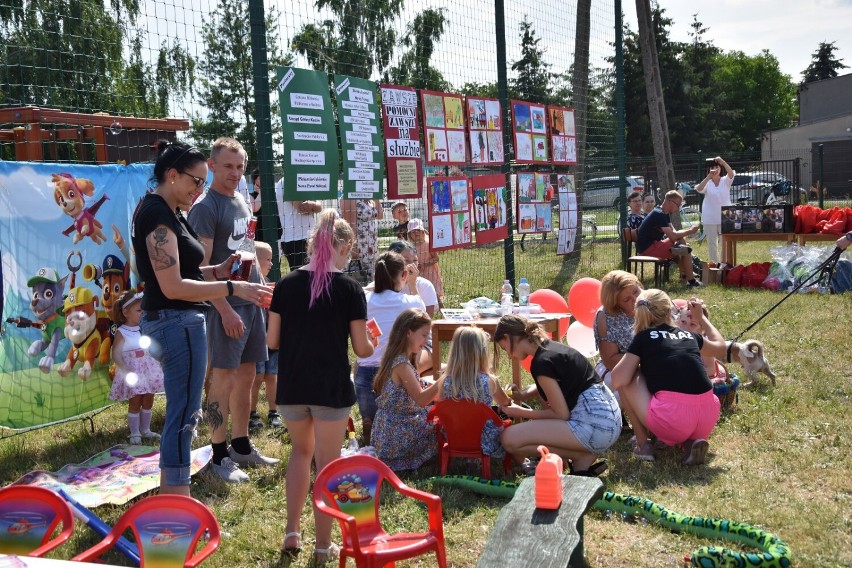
<point>849,236</point>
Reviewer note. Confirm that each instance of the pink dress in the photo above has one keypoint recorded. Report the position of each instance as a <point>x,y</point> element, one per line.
<point>429,270</point>
<point>149,374</point>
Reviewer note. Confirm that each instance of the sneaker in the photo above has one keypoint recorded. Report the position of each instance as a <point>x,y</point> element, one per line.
<point>135,440</point>
<point>150,435</point>
<point>254,458</point>
<point>274,419</point>
<point>255,423</point>
<point>645,452</point>
<point>528,466</point>
<point>694,283</point>
<point>680,250</point>
<point>229,471</point>
<point>694,452</point>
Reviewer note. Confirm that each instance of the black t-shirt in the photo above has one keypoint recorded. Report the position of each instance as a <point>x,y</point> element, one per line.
<point>567,366</point>
<point>649,231</point>
<point>152,212</point>
<point>670,359</point>
<point>313,358</point>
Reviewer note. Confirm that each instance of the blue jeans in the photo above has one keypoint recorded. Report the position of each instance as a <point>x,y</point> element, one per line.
<point>364,391</point>
<point>179,343</point>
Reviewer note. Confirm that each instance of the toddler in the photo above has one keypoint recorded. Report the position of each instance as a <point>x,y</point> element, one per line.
<point>266,372</point>
<point>427,259</point>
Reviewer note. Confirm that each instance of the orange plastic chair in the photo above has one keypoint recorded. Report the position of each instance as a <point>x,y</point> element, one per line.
<point>348,489</point>
<point>166,529</point>
<point>459,425</point>
<point>28,517</point>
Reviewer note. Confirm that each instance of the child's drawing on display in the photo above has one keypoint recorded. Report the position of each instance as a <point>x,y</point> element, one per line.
<point>437,145</point>
<point>523,147</point>
<point>458,188</point>
<point>544,220</point>
<point>495,146</point>
<point>442,231</point>
<point>521,113</point>
<point>434,105</point>
<point>492,109</point>
<point>538,123</point>
<point>440,196</point>
<point>453,113</point>
<point>462,228</point>
<point>540,147</point>
<point>455,143</point>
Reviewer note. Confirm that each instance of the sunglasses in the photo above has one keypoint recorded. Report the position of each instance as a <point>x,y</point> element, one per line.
<point>199,182</point>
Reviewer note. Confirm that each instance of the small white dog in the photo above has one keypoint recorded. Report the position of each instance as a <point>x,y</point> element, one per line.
<point>751,355</point>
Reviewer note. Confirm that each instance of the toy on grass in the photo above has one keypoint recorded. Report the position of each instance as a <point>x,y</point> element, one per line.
<point>96,524</point>
<point>774,552</point>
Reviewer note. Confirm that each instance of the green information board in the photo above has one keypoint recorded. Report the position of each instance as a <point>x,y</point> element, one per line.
<point>360,137</point>
<point>311,161</point>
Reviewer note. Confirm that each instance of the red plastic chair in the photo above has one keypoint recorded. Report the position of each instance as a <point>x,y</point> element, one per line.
<point>166,528</point>
<point>28,517</point>
<point>348,489</point>
<point>459,430</point>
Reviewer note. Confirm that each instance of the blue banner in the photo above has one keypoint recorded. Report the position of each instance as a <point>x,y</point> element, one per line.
<point>64,247</point>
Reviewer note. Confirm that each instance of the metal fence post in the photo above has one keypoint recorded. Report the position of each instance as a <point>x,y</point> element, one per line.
<point>821,181</point>
<point>263,126</point>
<point>619,121</point>
<point>503,95</point>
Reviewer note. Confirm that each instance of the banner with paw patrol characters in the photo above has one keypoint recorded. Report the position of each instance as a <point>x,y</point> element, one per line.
<point>64,247</point>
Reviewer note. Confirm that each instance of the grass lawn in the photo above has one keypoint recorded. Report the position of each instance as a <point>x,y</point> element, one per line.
<point>780,460</point>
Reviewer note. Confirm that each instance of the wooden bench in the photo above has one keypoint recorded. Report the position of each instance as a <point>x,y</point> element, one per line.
<point>526,536</point>
<point>636,263</point>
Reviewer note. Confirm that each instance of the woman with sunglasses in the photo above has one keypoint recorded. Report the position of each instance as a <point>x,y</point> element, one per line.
<point>177,288</point>
<point>579,419</point>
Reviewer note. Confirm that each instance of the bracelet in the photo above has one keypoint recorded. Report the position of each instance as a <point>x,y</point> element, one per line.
<point>230,287</point>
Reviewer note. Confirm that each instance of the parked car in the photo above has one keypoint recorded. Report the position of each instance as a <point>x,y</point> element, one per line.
<point>754,187</point>
<point>605,191</point>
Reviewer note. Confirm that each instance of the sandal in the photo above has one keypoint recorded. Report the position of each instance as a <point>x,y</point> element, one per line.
<point>595,470</point>
<point>289,553</point>
<point>528,466</point>
<point>326,555</point>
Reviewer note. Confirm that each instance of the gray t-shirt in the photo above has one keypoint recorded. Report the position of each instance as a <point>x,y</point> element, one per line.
<point>225,220</point>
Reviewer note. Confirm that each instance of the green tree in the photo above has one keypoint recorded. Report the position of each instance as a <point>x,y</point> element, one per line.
<point>358,41</point>
<point>414,68</point>
<point>226,90</point>
<point>824,65</point>
<point>533,78</point>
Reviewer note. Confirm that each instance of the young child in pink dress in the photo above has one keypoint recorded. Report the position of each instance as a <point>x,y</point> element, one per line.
<point>138,376</point>
<point>427,259</point>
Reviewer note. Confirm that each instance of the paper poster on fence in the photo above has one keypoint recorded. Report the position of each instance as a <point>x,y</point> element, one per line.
<point>311,162</point>
<point>360,138</point>
<point>443,118</point>
<point>534,194</point>
<point>449,214</point>
<point>529,132</point>
<point>489,206</point>
<point>563,136</point>
<point>402,142</point>
<point>64,237</point>
<point>485,131</point>
<point>568,212</point>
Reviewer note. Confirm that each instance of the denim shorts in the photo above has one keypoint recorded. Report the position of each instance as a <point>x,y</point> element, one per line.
<point>270,366</point>
<point>230,353</point>
<point>179,343</point>
<point>596,419</point>
<point>367,405</point>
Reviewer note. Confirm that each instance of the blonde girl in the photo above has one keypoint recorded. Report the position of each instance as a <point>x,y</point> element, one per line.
<point>401,433</point>
<point>580,418</point>
<point>672,397</point>
<point>138,376</point>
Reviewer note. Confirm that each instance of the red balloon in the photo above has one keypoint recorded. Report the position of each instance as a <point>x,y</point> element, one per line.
<point>552,302</point>
<point>584,299</point>
<point>526,363</point>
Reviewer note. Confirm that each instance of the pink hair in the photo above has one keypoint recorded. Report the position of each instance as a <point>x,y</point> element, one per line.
<point>331,230</point>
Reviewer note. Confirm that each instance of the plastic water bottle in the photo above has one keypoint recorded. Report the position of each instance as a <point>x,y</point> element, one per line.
<point>524,296</point>
<point>351,447</point>
<point>506,298</point>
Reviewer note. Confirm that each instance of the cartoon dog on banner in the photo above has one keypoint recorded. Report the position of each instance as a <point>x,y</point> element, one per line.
<point>46,304</point>
<point>116,281</point>
<point>69,194</point>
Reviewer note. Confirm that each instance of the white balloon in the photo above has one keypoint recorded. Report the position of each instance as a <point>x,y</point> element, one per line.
<point>582,338</point>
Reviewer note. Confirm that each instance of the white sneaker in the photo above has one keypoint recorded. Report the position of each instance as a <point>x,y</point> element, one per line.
<point>135,440</point>
<point>254,458</point>
<point>229,471</point>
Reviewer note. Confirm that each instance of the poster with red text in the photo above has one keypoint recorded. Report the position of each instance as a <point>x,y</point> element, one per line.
<point>402,142</point>
<point>449,215</point>
<point>535,192</point>
<point>563,135</point>
<point>485,130</point>
<point>443,118</point>
<point>489,208</point>
<point>529,133</point>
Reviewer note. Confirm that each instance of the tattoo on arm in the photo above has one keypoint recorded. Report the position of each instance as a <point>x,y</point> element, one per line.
<point>160,259</point>
<point>214,415</point>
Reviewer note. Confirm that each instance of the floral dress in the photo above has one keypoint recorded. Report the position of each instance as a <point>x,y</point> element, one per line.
<point>428,266</point>
<point>149,374</point>
<point>404,439</point>
<point>490,439</point>
<point>367,234</point>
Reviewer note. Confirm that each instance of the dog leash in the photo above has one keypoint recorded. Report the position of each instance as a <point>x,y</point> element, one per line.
<point>826,268</point>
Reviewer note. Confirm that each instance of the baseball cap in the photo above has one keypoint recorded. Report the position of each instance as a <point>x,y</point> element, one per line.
<point>415,225</point>
<point>45,274</point>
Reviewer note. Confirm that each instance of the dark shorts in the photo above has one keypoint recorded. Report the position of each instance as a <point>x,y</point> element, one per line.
<point>229,353</point>
<point>270,366</point>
